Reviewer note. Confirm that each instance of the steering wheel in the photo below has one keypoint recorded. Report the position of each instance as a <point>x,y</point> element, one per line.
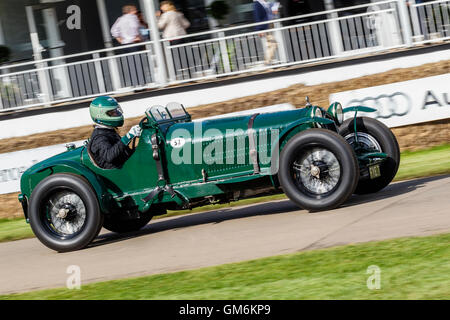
<point>143,122</point>
<point>133,144</point>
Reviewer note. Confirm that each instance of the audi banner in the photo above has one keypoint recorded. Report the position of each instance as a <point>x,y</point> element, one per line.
<point>402,103</point>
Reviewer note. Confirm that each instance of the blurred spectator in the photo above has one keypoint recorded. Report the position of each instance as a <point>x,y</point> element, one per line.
<point>265,11</point>
<point>144,31</point>
<point>172,22</point>
<point>126,28</point>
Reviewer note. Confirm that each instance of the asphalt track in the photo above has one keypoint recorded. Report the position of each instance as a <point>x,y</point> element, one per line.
<point>408,208</point>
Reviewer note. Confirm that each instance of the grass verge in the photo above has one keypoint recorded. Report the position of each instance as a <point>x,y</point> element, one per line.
<point>422,163</point>
<point>413,164</point>
<point>411,268</point>
<point>14,229</point>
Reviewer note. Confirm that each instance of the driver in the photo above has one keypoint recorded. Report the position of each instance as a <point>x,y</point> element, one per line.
<point>106,147</point>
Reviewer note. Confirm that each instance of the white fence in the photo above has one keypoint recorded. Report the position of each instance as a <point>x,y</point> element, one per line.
<point>338,33</point>
<point>430,21</point>
<point>330,34</point>
<point>78,76</point>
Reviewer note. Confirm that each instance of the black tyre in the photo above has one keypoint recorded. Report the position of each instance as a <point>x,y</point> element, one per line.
<point>116,223</point>
<point>318,170</point>
<point>374,134</point>
<point>64,212</point>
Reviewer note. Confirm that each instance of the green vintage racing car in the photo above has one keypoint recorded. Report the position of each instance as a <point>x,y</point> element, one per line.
<point>311,154</point>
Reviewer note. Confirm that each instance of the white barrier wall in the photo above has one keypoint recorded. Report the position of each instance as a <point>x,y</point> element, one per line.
<point>402,103</point>
<point>13,164</point>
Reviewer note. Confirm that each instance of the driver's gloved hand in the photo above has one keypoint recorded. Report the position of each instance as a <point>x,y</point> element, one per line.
<point>135,131</point>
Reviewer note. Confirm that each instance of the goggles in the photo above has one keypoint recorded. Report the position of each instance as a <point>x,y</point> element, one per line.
<point>115,112</point>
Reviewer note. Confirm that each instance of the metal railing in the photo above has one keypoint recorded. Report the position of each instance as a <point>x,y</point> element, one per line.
<point>430,21</point>
<point>298,43</point>
<point>78,76</point>
<point>337,33</point>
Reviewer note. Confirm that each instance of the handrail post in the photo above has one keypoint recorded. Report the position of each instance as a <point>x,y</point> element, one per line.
<point>98,73</point>
<point>59,75</point>
<point>335,32</point>
<point>169,61</point>
<point>104,23</point>
<point>281,43</point>
<point>414,19</point>
<point>149,9</point>
<point>404,22</point>
<point>114,71</point>
<point>224,52</point>
<point>149,55</point>
<point>37,49</point>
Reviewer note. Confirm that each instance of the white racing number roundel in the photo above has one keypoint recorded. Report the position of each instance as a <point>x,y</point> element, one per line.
<point>177,142</point>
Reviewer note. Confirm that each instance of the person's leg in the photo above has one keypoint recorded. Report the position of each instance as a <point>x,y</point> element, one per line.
<point>271,48</point>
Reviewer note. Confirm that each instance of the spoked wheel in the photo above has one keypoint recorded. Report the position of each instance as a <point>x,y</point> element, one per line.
<point>64,212</point>
<point>365,140</point>
<point>375,136</point>
<point>318,170</point>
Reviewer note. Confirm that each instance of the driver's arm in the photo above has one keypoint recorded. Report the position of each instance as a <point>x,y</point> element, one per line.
<point>135,131</point>
<point>110,152</point>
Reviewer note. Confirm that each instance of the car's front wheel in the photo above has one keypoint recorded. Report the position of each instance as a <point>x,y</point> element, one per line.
<point>64,212</point>
<point>318,170</point>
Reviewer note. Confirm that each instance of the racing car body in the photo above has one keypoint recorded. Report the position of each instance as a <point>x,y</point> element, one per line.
<point>311,154</point>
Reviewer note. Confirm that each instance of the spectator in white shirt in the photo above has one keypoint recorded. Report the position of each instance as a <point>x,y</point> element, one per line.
<point>172,22</point>
<point>126,28</point>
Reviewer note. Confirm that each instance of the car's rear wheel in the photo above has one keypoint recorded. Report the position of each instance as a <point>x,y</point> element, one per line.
<point>64,213</point>
<point>372,134</point>
<point>318,170</point>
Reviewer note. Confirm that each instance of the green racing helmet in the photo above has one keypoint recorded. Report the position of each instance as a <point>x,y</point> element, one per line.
<point>106,111</point>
